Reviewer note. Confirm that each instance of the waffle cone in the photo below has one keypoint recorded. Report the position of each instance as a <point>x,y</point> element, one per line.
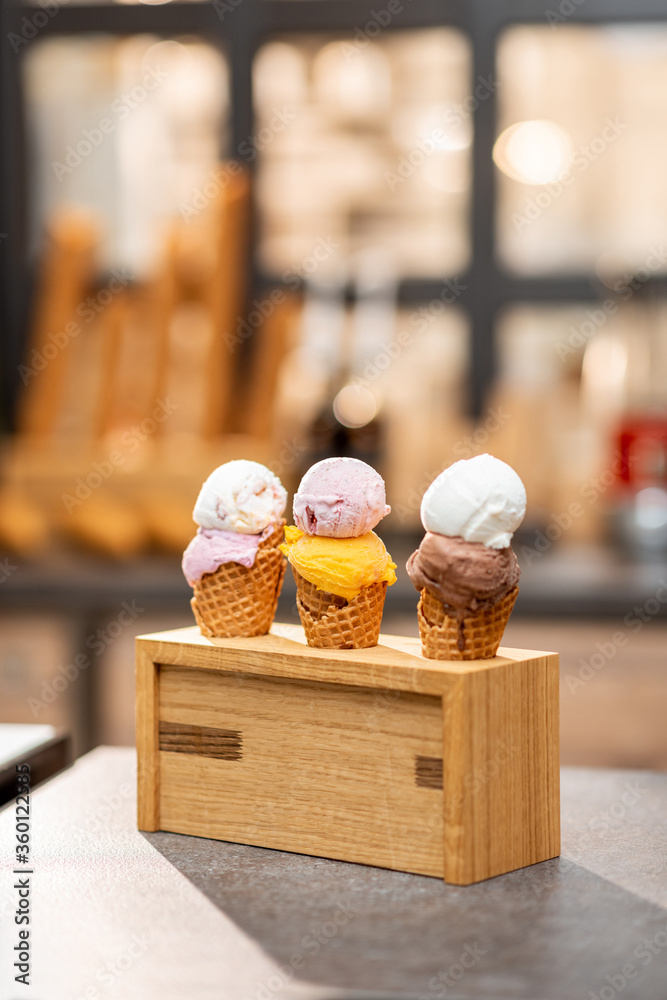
<point>331,622</point>
<point>240,601</point>
<point>475,636</point>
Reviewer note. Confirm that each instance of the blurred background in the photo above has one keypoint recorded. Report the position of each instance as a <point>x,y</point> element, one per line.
<point>409,232</point>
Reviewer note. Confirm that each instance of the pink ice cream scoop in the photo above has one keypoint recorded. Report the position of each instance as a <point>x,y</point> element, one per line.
<point>340,498</point>
<point>211,547</point>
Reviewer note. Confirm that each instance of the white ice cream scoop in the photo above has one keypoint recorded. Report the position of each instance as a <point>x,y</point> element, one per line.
<point>479,499</point>
<point>240,496</point>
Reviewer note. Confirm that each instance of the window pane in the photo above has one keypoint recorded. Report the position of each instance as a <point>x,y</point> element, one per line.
<point>571,376</point>
<point>126,128</point>
<point>365,145</point>
<point>581,185</point>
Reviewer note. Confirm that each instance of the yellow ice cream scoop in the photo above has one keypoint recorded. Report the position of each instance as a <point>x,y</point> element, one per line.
<point>341,566</point>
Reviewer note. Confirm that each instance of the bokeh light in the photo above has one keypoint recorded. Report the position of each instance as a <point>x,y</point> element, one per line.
<point>533,152</point>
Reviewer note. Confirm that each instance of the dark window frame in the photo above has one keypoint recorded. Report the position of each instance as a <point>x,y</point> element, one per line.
<point>240,31</point>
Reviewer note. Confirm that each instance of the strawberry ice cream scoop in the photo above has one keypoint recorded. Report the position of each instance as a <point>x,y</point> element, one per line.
<point>340,498</point>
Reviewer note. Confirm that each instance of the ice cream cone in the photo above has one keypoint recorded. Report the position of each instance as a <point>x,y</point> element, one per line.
<point>475,636</point>
<point>331,622</point>
<point>240,601</point>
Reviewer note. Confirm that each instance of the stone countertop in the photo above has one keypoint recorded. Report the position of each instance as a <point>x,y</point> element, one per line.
<point>131,916</point>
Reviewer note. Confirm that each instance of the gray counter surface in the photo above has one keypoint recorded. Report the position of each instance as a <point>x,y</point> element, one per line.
<point>120,914</point>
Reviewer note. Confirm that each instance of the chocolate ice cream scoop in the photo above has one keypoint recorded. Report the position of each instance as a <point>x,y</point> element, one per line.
<point>462,574</point>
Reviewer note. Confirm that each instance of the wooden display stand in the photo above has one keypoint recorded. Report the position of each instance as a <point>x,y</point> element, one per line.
<point>378,756</point>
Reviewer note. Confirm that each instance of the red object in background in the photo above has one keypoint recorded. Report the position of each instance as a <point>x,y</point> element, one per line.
<point>642,442</point>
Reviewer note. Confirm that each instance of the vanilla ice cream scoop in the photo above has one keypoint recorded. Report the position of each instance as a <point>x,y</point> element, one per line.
<point>240,496</point>
<point>478,499</point>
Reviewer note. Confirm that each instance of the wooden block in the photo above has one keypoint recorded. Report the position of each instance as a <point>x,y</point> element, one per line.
<point>500,743</point>
<point>378,755</point>
<point>148,774</point>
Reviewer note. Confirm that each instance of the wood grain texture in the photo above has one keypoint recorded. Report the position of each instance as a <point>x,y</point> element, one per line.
<point>501,770</point>
<point>326,770</point>
<point>148,770</point>
<point>395,663</point>
<point>207,741</point>
<point>428,771</point>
